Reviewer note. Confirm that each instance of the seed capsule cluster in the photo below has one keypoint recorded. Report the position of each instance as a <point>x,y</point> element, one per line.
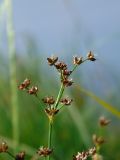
<point>54,105</point>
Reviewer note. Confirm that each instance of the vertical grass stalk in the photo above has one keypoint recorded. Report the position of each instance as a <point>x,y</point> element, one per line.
<point>50,136</point>
<point>12,66</point>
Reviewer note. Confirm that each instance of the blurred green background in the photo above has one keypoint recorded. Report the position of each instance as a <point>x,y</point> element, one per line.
<point>23,55</point>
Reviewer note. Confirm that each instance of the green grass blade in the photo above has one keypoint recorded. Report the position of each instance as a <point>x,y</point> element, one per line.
<point>12,67</point>
<point>103,103</point>
<point>80,125</point>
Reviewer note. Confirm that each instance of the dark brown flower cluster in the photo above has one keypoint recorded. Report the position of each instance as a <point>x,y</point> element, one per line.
<point>98,140</point>
<point>51,111</point>
<point>63,68</point>
<point>44,151</point>
<point>25,86</point>
<point>52,60</point>
<point>77,60</point>
<point>20,156</point>
<point>48,100</point>
<point>66,101</point>
<point>80,60</point>
<point>4,148</point>
<point>85,154</point>
<point>91,56</point>
<point>103,121</point>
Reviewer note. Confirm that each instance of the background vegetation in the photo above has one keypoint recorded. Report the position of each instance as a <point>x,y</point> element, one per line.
<point>75,125</point>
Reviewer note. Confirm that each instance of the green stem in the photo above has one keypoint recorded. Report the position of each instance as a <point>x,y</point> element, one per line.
<point>61,107</point>
<point>39,102</point>
<point>50,136</point>
<point>74,68</point>
<point>59,95</point>
<point>12,66</point>
<point>11,155</point>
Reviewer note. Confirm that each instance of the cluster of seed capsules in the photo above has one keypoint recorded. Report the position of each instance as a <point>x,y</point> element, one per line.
<point>97,140</point>
<point>5,149</point>
<point>42,151</point>
<point>52,105</point>
<point>63,69</point>
<point>85,154</point>
<point>66,81</point>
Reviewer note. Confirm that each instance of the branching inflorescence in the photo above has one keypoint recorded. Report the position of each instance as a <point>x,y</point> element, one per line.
<point>53,106</point>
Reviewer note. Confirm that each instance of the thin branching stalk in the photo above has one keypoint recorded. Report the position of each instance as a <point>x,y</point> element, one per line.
<point>12,66</point>
<point>50,135</point>
<point>10,154</point>
<point>75,67</point>
<point>39,102</point>
<point>61,91</point>
<point>59,95</point>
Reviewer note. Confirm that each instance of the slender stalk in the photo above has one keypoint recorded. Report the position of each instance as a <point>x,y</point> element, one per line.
<point>59,95</point>
<point>12,66</point>
<point>50,136</point>
<point>55,106</point>
<point>61,107</point>
<point>10,154</point>
<point>39,102</point>
<point>74,68</point>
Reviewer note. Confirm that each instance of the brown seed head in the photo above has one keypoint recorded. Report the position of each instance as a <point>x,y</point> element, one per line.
<point>44,151</point>
<point>98,140</point>
<point>81,156</point>
<point>48,100</point>
<point>33,90</point>
<point>52,60</point>
<point>3,147</point>
<point>103,121</point>
<point>61,66</point>
<point>51,111</point>
<point>66,101</point>
<point>85,154</point>
<point>91,56</point>
<point>77,60</point>
<point>67,82</point>
<point>20,156</point>
<point>92,151</point>
<point>66,72</point>
<point>25,84</point>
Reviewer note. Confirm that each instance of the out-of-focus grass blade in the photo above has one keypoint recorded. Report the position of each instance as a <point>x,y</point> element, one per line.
<point>79,123</point>
<point>106,105</point>
<point>12,69</point>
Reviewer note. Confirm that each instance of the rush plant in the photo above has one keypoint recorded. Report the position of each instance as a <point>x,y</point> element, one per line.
<point>52,106</point>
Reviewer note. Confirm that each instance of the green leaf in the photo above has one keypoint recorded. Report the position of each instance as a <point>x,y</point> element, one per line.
<point>100,101</point>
